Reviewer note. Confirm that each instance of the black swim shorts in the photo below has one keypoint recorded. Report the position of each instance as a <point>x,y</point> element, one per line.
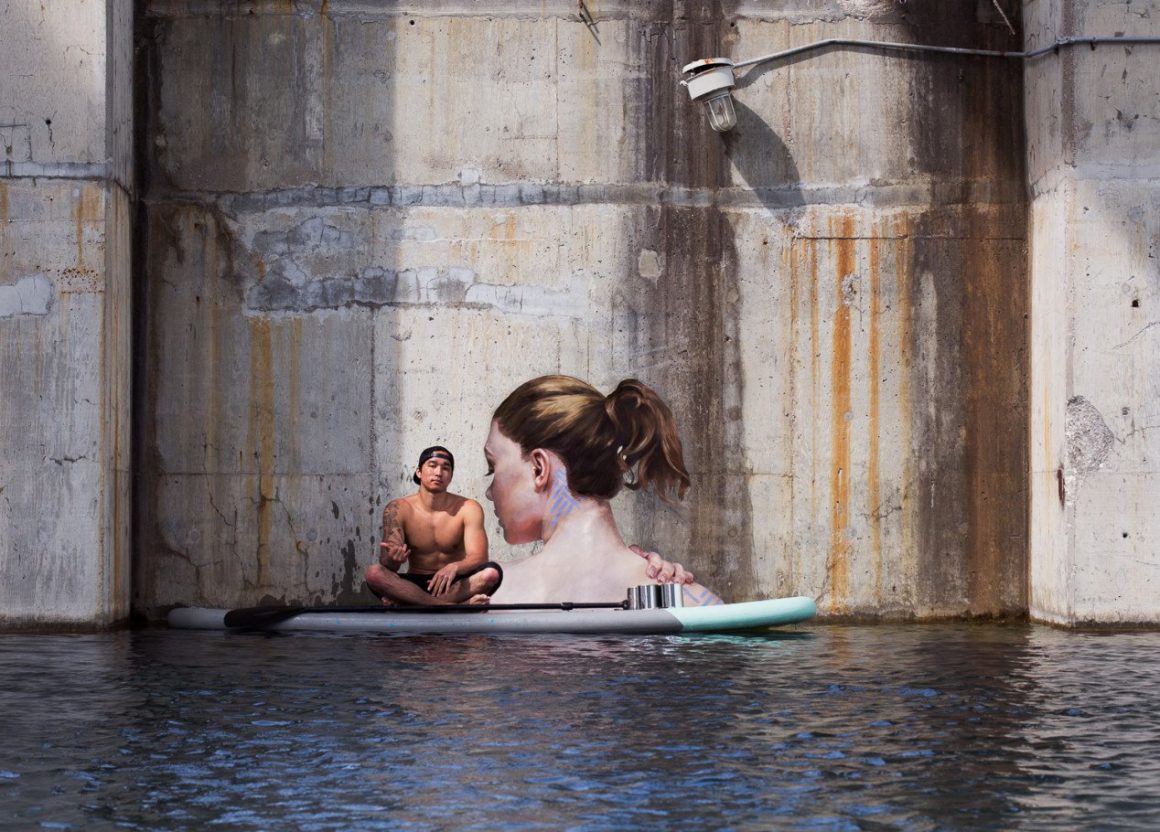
<point>420,580</point>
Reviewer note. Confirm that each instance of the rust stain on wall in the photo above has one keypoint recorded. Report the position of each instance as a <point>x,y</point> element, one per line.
<point>873,474</point>
<point>789,261</point>
<point>87,210</point>
<point>261,435</point>
<point>845,258</point>
<point>995,348</point>
<point>903,260</point>
<point>815,354</point>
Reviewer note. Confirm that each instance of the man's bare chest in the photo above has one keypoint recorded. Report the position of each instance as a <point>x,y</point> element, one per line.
<point>437,532</point>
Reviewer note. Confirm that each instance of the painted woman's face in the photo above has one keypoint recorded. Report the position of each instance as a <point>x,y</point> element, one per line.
<point>512,490</point>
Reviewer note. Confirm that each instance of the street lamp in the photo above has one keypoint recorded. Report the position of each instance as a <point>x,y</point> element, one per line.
<point>710,80</point>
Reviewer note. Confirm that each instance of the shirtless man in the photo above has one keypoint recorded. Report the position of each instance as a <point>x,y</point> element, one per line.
<point>440,536</point>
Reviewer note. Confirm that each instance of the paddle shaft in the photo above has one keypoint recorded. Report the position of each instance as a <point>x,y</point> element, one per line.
<point>251,617</point>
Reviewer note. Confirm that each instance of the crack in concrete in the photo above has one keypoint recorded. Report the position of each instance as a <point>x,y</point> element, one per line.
<point>1137,335</point>
<point>1134,431</point>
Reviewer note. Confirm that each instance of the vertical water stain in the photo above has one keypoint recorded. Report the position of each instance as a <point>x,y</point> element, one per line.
<point>4,209</point>
<point>873,487</point>
<point>261,436</point>
<point>904,261</point>
<point>995,350</point>
<point>790,268</point>
<point>969,292</point>
<point>815,361</point>
<point>115,399</point>
<point>328,35</point>
<point>845,260</point>
<point>691,314</point>
<point>168,243</point>
<point>294,397</point>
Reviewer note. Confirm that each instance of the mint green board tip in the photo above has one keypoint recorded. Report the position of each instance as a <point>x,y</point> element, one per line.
<point>746,615</point>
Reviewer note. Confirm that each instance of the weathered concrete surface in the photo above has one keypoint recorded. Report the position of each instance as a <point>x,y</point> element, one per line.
<point>65,219</point>
<point>380,219</point>
<point>1094,151</point>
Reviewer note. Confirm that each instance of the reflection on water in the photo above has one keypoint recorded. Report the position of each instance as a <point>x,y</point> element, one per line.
<point>919,727</point>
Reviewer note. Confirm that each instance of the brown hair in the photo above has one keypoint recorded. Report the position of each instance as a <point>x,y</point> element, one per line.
<point>627,438</point>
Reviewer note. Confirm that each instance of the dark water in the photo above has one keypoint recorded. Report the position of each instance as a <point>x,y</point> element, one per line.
<point>918,727</point>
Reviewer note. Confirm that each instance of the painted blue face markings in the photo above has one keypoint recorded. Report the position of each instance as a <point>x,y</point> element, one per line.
<point>702,597</point>
<point>562,501</point>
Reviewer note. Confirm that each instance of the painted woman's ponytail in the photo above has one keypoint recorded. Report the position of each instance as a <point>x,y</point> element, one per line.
<point>650,449</point>
<point>628,438</point>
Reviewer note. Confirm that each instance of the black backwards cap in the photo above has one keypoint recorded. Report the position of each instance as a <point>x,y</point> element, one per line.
<point>434,450</point>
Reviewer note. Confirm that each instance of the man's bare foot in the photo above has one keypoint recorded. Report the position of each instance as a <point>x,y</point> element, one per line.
<point>479,600</point>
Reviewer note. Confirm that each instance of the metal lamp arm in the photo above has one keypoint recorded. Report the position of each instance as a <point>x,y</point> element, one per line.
<point>949,50</point>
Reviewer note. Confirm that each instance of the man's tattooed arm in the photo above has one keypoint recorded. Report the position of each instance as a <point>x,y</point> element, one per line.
<point>393,551</point>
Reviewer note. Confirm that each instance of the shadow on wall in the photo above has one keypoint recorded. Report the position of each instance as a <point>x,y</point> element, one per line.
<point>707,268</point>
<point>763,161</point>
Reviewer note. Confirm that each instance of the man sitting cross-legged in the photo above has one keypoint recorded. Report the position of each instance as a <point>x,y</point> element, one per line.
<point>440,536</point>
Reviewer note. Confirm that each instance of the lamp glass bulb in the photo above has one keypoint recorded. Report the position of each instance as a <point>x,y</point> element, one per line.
<point>722,116</point>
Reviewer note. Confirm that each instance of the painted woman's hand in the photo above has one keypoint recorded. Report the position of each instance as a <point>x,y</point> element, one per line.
<point>661,570</point>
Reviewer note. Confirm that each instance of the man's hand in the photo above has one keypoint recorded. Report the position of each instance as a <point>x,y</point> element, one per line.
<point>394,549</point>
<point>442,580</point>
<point>661,570</point>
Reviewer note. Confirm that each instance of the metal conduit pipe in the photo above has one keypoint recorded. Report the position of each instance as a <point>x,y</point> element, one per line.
<point>951,50</point>
<point>711,79</point>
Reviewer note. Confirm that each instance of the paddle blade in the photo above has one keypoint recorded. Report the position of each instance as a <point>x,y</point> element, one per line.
<point>248,618</point>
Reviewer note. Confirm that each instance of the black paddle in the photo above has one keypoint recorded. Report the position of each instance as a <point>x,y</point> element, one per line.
<point>257,617</point>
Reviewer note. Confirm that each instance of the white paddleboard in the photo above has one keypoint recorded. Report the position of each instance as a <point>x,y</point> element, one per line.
<point>720,618</point>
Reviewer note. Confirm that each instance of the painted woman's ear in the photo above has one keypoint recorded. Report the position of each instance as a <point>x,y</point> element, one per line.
<point>541,469</point>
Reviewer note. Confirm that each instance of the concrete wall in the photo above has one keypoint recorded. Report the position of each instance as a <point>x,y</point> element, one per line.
<point>367,222</point>
<point>1093,126</point>
<point>65,222</point>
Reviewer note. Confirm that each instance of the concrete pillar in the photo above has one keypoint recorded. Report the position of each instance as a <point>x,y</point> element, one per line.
<point>1093,128</point>
<point>65,218</point>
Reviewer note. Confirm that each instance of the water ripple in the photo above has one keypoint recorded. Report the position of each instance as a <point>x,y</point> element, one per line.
<point>921,727</point>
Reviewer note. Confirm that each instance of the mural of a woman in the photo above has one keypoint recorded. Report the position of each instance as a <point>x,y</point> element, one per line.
<point>559,451</point>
